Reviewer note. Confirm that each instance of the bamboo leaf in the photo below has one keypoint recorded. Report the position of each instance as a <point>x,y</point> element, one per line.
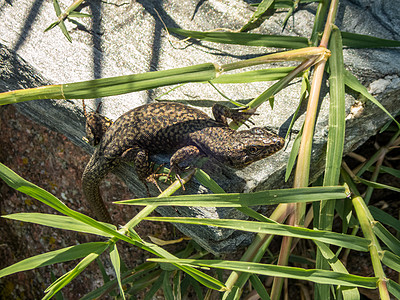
<point>53,257</point>
<point>270,197</point>
<point>313,275</point>
<point>247,39</point>
<point>342,240</point>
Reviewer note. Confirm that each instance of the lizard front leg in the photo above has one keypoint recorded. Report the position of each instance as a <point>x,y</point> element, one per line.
<point>182,158</point>
<point>238,115</point>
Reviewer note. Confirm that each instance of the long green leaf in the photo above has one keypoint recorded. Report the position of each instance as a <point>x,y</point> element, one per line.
<point>53,257</point>
<point>264,10</point>
<point>385,236</point>
<point>255,76</point>
<point>57,221</point>
<point>247,39</point>
<point>342,240</point>
<point>394,288</point>
<point>68,277</point>
<point>24,186</point>
<point>384,218</point>
<point>355,40</point>
<point>115,260</point>
<point>378,185</point>
<point>352,82</point>
<point>313,275</point>
<point>270,197</point>
<point>115,85</point>
<point>337,266</point>
<point>391,260</point>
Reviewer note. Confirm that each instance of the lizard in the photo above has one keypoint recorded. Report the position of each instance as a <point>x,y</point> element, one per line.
<point>166,127</point>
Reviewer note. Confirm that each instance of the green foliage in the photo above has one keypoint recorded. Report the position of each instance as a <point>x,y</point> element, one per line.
<point>176,274</point>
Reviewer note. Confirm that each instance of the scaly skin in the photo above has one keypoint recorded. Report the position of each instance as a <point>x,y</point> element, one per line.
<point>172,128</point>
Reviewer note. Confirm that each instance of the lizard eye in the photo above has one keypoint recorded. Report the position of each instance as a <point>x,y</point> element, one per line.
<point>253,150</point>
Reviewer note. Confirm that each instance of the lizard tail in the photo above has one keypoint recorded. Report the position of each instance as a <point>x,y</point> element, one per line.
<point>97,168</point>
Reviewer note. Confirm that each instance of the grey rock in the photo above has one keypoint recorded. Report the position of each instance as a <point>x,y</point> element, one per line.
<point>126,37</point>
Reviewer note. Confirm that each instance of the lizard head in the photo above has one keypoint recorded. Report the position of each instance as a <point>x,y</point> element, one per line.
<point>248,146</point>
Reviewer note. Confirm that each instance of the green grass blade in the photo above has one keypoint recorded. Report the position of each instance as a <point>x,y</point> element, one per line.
<point>30,189</point>
<point>68,277</point>
<point>293,154</point>
<point>115,261</point>
<point>168,294</point>
<point>57,221</point>
<point>394,288</point>
<point>391,260</point>
<point>385,236</point>
<point>313,275</point>
<point>264,10</point>
<point>270,197</point>
<point>384,218</point>
<point>259,287</point>
<point>247,39</point>
<point>391,171</point>
<point>115,85</point>
<point>355,40</point>
<point>378,185</point>
<point>338,239</point>
<point>352,82</point>
<point>255,76</point>
<point>337,266</point>
<point>337,113</point>
<point>53,257</point>
<point>155,287</point>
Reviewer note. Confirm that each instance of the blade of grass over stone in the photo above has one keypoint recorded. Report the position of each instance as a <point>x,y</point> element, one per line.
<point>115,85</point>
<point>57,221</point>
<point>60,22</point>
<point>313,275</point>
<point>293,154</point>
<point>264,10</point>
<point>53,257</point>
<point>355,40</point>
<point>384,217</point>
<point>342,240</point>
<point>247,39</point>
<point>209,183</point>
<point>335,143</point>
<point>255,76</point>
<point>352,82</point>
<point>270,197</point>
